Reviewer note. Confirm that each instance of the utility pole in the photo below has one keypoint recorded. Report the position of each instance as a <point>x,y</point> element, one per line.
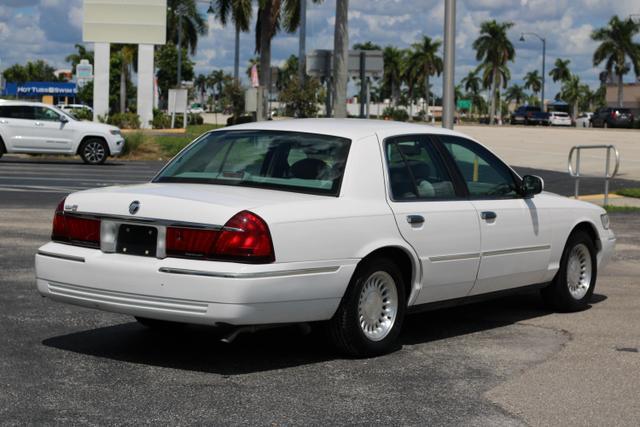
<point>448,99</point>
<point>180,11</point>
<point>544,57</point>
<point>302,42</point>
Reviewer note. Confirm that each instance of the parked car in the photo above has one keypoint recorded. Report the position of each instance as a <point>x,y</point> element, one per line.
<point>71,108</point>
<point>32,127</point>
<point>350,223</point>
<point>584,120</point>
<point>538,118</point>
<point>559,118</point>
<point>523,114</point>
<point>612,117</point>
<point>196,108</point>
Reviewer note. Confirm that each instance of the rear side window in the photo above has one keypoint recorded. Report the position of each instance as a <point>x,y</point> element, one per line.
<point>290,161</point>
<point>416,171</point>
<point>17,112</point>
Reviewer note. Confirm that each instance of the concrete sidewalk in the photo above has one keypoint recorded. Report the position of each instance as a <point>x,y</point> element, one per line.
<point>614,200</point>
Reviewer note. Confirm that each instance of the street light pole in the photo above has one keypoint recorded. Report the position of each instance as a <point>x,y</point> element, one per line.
<point>544,57</point>
<point>448,100</point>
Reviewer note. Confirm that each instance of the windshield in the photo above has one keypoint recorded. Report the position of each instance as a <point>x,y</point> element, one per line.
<point>290,161</point>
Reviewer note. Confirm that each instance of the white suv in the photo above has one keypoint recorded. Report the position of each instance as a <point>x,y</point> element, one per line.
<point>32,127</point>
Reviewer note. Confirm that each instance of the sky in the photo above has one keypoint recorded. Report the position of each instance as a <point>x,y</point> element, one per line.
<point>48,29</point>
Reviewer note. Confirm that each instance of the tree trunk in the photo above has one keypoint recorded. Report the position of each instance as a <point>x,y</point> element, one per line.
<point>266,18</point>
<point>341,54</point>
<point>426,96</point>
<point>123,87</point>
<point>395,93</point>
<point>575,109</point>
<point>236,58</point>
<point>620,89</point>
<point>492,110</point>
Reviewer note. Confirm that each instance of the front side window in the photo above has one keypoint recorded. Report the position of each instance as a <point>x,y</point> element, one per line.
<point>46,114</point>
<point>485,175</point>
<point>416,171</point>
<point>290,161</point>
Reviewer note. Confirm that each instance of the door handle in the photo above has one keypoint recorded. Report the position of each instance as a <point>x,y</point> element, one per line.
<point>415,219</point>
<point>39,124</point>
<point>488,215</point>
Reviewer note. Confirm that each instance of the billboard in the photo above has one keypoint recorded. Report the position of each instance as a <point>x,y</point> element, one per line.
<point>125,21</point>
<point>38,89</point>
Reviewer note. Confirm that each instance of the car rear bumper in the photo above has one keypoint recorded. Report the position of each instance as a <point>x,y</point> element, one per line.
<point>192,291</point>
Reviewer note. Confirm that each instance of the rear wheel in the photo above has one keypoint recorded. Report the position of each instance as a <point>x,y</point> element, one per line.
<point>575,282</point>
<point>372,310</point>
<point>94,151</point>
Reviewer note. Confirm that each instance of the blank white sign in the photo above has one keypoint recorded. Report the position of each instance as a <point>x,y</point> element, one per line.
<point>125,21</point>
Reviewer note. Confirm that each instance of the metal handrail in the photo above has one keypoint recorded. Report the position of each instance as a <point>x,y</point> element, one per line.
<point>607,175</point>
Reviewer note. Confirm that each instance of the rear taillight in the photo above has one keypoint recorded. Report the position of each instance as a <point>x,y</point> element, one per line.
<point>614,114</point>
<point>244,238</point>
<point>75,230</point>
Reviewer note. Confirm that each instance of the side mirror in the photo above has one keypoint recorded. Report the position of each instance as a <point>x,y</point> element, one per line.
<point>64,119</point>
<point>531,185</point>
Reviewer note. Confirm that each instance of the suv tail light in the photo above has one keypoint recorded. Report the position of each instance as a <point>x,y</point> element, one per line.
<point>244,238</point>
<point>68,228</point>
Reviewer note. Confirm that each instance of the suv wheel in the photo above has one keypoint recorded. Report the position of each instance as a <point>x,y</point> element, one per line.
<point>94,151</point>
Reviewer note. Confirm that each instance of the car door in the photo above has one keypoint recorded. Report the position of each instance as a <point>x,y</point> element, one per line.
<point>433,217</point>
<point>52,134</point>
<point>17,127</point>
<point>515,232</point>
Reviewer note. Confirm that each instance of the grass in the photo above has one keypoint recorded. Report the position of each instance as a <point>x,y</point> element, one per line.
<point>621,209</point>
<point>629,192</point>
<point>144,146</point>
<point>170,145</point>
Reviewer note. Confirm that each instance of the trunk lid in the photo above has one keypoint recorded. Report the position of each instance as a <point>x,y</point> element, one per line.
<point>197,203</point>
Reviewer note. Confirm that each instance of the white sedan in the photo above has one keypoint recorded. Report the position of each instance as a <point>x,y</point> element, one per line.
<point>559,118</point>
<point>351,223</point>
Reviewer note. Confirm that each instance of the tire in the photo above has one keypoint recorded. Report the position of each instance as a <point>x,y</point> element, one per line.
<point>94,151</point>
<point>159,325</point>
<point>578,269</point>
<point>355,329</point>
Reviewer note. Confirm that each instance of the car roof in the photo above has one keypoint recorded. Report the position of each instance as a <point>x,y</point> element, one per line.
<point>353,129</point>
<point>33,104</point>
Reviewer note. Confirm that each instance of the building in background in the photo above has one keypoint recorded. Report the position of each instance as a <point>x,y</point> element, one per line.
<point>630,96</point>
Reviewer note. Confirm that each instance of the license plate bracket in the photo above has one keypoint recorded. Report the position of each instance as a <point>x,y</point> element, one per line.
<point>137,240</point>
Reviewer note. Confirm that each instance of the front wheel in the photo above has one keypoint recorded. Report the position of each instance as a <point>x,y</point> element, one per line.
<point>371,313</point>
<point>94,151</point>
<point>575,281</point>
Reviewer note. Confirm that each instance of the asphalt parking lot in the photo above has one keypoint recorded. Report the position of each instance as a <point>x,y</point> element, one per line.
<point>506,362</point>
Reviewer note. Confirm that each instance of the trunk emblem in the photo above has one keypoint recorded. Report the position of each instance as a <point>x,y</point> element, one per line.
<point>134,207</point>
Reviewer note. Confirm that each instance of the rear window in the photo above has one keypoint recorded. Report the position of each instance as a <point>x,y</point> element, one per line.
<point>289,161</point>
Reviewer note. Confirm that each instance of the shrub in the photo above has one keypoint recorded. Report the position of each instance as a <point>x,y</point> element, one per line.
<point>133,141</point>
<point>397,114</point>
<point>124,120</point>
<point>301,100</point>
<point>83,114</point>
<point>160,120</point>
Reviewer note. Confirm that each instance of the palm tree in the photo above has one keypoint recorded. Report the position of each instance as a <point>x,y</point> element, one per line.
<point>200,83</point>
<point>272,16</point>
<point>240,12</point>
<point>368,45</point>
<point>533,81</point>
<point>81,53</point>
<point>616,45</point>
<point>194,24</point>
<point>392,76</point>
<point>494,49</point>
<point>216,81</point>
<point>560,70</point>
<point>515,93</point>
<point>340,56</point>
<point>471,82</point>
<point>126,55</point>
<point>424,62</point>
<point>571,92</point>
